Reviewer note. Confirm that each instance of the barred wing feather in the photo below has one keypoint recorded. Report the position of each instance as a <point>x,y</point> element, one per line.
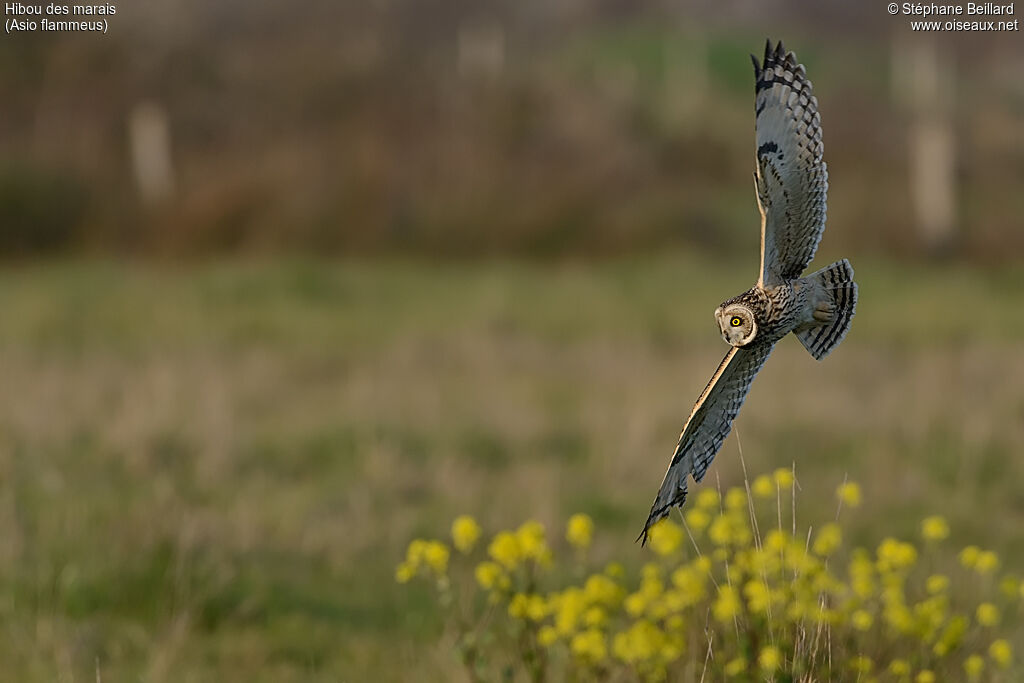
<point>791,178</point>
<point>708,425</point>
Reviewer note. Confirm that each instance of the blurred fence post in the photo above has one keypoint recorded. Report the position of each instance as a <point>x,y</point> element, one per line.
<point>923,82</point>
<point>481,47</point>
<point>149,138</point>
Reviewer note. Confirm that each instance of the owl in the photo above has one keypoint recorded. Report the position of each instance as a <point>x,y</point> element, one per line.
<point>791,181</point>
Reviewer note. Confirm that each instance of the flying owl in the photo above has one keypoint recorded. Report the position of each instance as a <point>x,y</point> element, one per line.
<point>791,182</point>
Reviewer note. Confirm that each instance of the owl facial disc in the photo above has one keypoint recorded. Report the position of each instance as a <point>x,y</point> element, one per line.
<point>737,324</point>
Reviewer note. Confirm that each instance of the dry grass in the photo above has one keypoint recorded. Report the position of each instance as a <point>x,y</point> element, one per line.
<point>209,474</point>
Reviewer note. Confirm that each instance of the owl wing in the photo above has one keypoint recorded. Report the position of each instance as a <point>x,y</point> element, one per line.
<point>791,178</point>
<point>708,425</point>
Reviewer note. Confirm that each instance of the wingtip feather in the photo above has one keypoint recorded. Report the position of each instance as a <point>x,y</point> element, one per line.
<point>777,54</point>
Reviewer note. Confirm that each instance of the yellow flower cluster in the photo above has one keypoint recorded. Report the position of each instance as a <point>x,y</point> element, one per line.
<point>423,556</point>
<point>849,494</point>
<point>526,544</point>
<point>723,581</point>
<point>465,533</point>
<point>580,531</point>
<point>981,561</point>
<point>934,528</point>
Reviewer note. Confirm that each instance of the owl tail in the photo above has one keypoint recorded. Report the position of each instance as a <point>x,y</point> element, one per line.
<point>836,282</point>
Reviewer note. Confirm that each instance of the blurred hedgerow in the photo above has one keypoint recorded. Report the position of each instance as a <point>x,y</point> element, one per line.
<point>728,596</point>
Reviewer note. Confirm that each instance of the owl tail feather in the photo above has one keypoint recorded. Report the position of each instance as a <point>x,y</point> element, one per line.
<point>836,283</point>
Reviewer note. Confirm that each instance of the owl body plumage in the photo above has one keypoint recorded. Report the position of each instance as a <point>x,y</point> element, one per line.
<point>791,182</point>
<point>777,309</point>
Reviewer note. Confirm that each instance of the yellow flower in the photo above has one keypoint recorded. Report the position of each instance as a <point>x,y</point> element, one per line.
<point>924,676</point>
<point>536,608</point>
<point>589,645</point>
<point>1009,586</point>
<point>595,617</point>
<point>569,606</point>
<point>435,556</point>
<point>432,555</point>
<point>465,533</point>
<point>707,499</point>
<point>798,610</point>
<point>601,590</point>
<point>720,531</point>
<point>527,606</point>
<point>895,555</point>
<point>727,605</point>
<point>763,487</point>
<point>671,651</point>
<point>730,528</point>
<point>936,583</point>
<point>770,659</point>
<point>415,552</point>
<point>697,519</point>
<point>849,494</point>
<point>969,556</point>
<point>735,499</point>
<point>763,562</point>
<point>1001,652</point>
<point>783,478</point>
<point>666,537</point>
<point>640,643</point>
<point>974,665</point>
<point>615,570</point>
<point>530,537</point>
<point>759,596</point>
<point>930,614</point>
<point>861,664</point>
<point>862,572</point>
<point>518,605</point>
<point>404,573</point>
<point>987,614</point>
<point>934,528</point>
<point>899,617</point>
<point>635,604</point>
<point>650,572</point>
<point>951,636</point>
<point>490,576</point>
<point>776,540</point>
<point>505,549</point>
<point>899,667</point>
<point>828,540</point>
<point>580,531</point>
<point>689,582</point>
<point>547,636</point>
<point>986,562</point>
<point>861,620</point>
<point>736,667</point>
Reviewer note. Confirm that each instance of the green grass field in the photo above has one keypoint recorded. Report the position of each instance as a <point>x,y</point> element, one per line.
<point>209,473</point>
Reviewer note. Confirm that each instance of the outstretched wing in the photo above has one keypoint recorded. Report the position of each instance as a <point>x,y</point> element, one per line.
<point>708,425</point>
<point>791,178</point>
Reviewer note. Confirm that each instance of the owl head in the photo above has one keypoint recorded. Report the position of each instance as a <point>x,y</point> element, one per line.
<point>737,322</point>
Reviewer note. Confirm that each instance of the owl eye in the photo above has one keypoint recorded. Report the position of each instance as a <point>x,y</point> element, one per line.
<point>735,321</point>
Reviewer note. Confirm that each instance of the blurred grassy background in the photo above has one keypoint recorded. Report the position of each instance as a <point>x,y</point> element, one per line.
<point>210,473</point>
<point>397,261</point>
